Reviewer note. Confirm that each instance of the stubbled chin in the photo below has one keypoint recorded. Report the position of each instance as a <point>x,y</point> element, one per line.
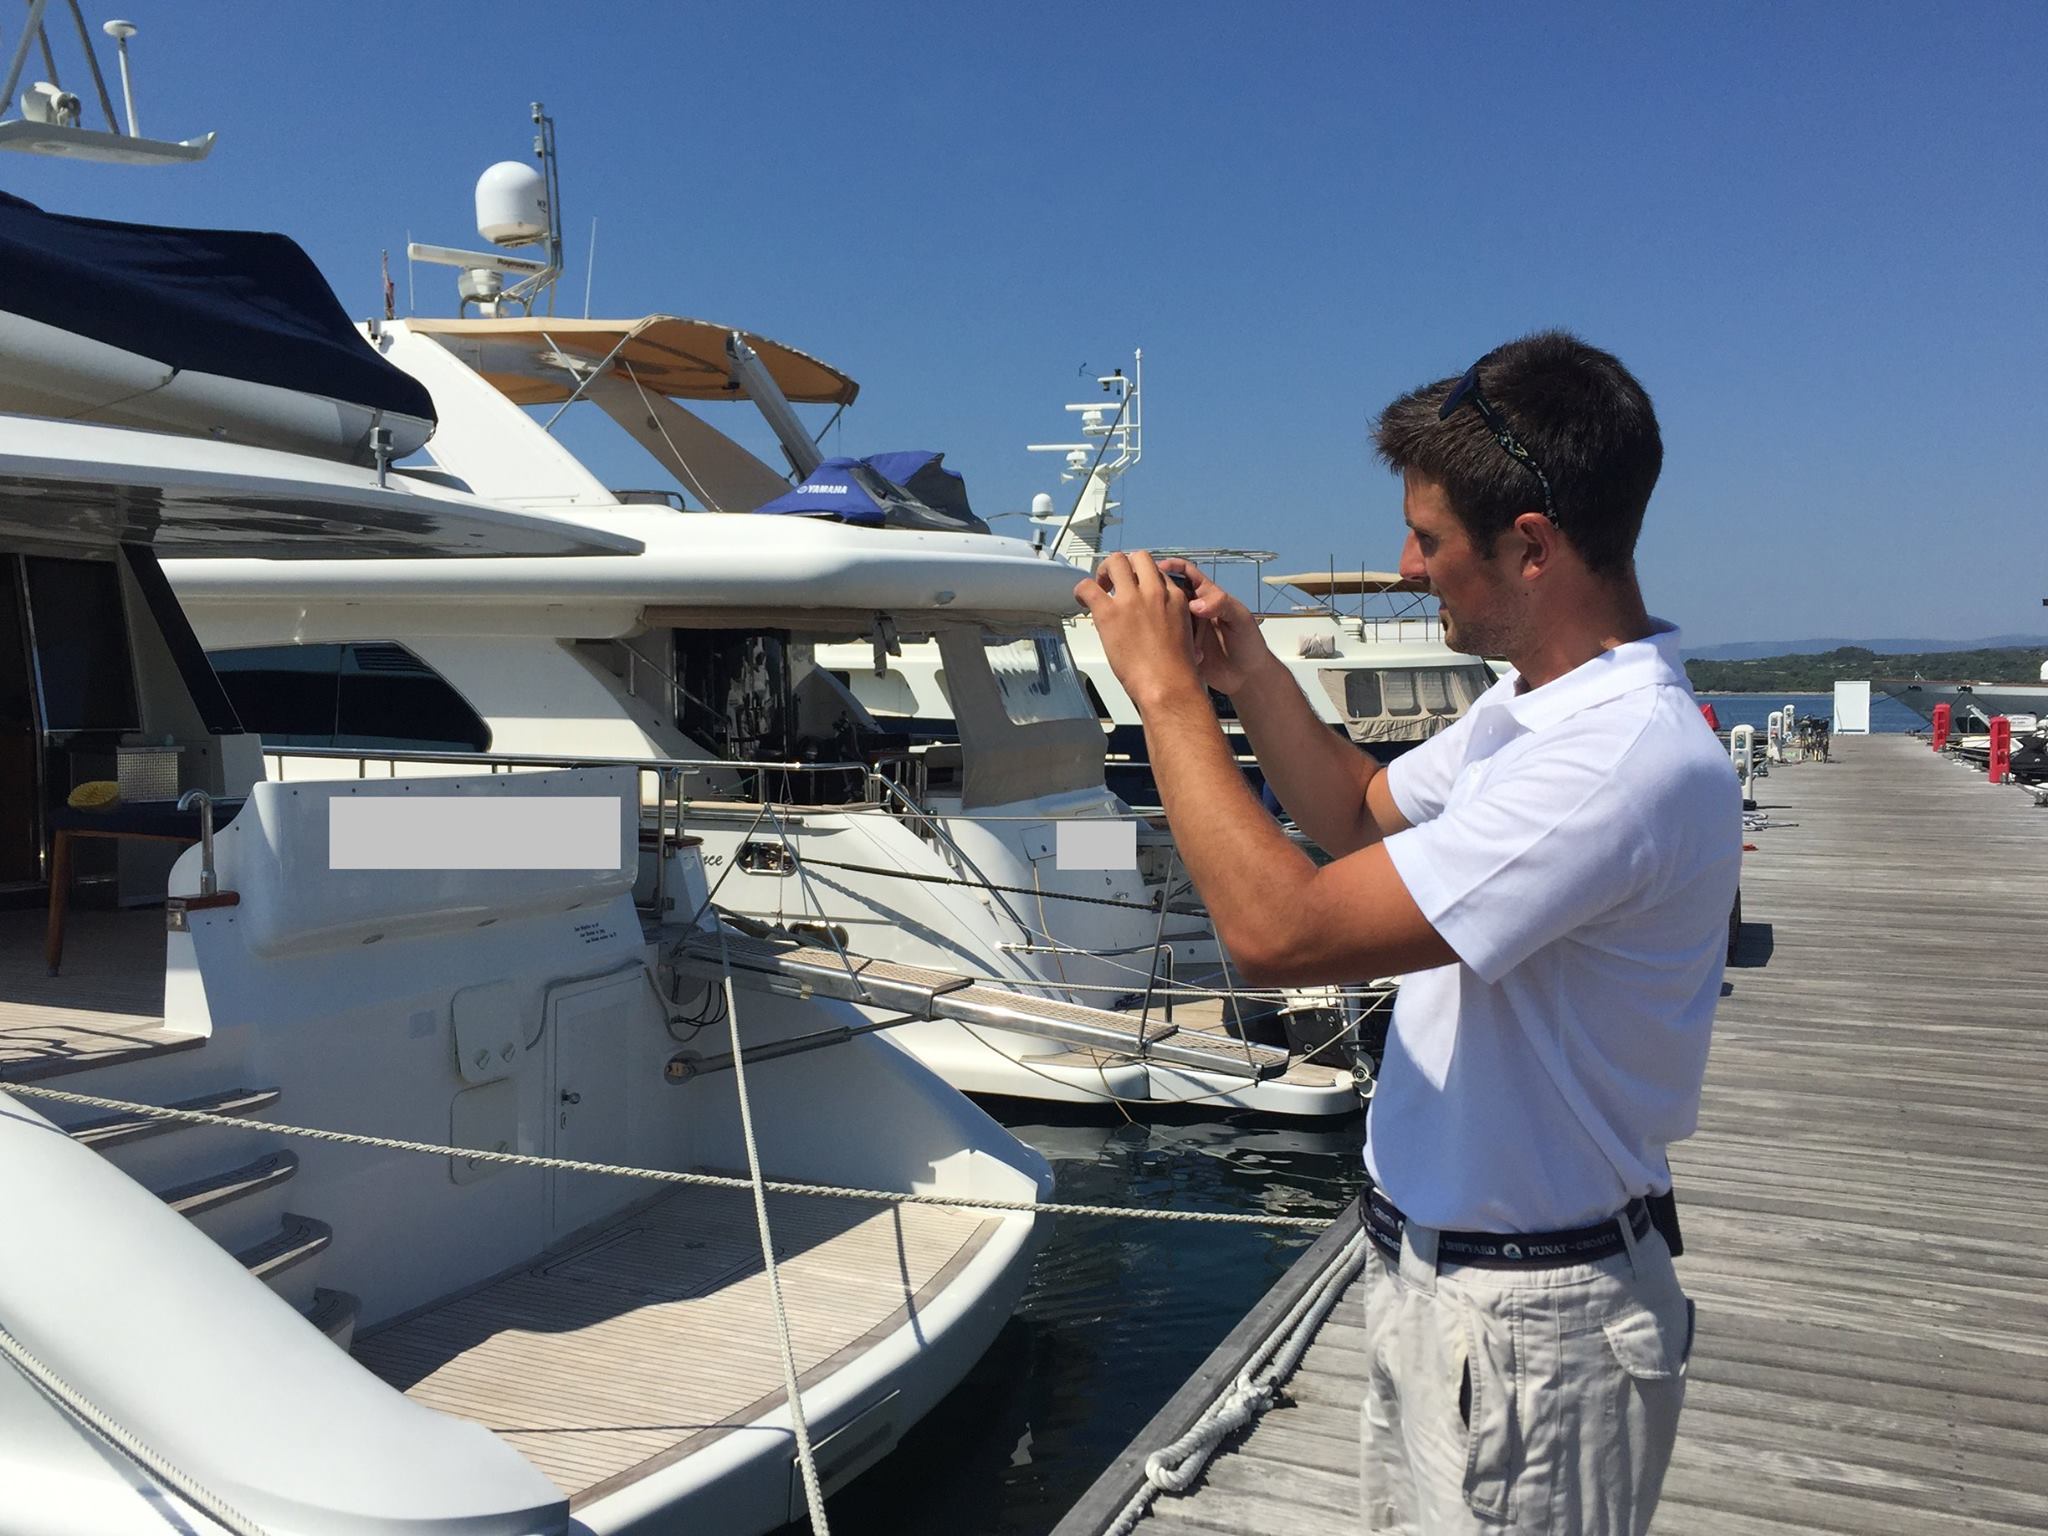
<point>1454,639</point>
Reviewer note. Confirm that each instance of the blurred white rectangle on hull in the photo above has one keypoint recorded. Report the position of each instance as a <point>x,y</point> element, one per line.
<point>1097,845</point>
<point>445,832</point>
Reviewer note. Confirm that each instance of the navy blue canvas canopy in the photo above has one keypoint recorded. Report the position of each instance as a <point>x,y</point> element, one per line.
<point>239,304</point>
<point>909,489</point>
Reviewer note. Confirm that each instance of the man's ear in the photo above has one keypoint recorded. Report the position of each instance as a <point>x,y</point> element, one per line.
<point>1537,544</point>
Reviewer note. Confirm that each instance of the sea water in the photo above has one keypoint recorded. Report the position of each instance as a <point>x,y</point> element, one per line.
<point>1117,1315</point>
<point>1887,714</point>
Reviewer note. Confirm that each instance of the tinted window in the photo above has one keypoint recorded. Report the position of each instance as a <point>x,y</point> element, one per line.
<point>285,693</point>
<point>387,699</point>
<point>374,697</point>
<point>1362,694</point>
<point>81,645</point>
<point>1037,678</point>
<point>1397,684</point>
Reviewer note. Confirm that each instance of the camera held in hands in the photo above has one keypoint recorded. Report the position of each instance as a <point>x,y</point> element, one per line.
<point>1185,583</point>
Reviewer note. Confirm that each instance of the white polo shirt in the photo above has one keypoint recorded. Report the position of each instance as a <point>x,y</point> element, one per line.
<point>1578,846</point>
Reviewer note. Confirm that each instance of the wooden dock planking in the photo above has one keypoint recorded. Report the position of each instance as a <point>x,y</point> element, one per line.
<point>574,1359</point>
<point>106,1005</point>
<point>1865,1204</point>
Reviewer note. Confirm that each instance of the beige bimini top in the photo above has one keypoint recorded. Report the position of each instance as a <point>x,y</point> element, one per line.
<point>523,358</point>
<point>1347,583</point>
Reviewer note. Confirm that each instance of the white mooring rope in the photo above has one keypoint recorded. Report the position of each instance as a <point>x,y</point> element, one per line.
<point>1174,1468</point>
<point>806,1461</point>
<point>660,1175</point>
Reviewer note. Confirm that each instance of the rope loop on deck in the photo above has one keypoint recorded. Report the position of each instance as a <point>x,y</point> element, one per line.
<point>1174,1468</point>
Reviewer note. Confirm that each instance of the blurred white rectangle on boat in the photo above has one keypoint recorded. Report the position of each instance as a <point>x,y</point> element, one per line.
<point>453,832</point>
<point>1097,845</point>
<point>1852,709</point>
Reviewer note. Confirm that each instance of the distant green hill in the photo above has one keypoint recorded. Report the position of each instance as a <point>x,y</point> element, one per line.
<point>1854,663</point>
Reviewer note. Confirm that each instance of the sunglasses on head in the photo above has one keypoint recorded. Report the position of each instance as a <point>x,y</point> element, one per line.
<point>1467,388</point>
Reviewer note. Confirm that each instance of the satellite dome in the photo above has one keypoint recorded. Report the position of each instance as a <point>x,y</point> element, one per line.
<point>512,204</point>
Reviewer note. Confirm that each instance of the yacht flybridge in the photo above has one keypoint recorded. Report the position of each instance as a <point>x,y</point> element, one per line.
<point>484,983</point>
<point>996,864</point>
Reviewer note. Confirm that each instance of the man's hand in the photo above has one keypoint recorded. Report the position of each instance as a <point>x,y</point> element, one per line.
<point>1228,644</point>
<point>1142,619</point>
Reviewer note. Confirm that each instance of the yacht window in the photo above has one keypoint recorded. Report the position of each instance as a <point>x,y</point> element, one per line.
<point>1397,685</point>
<point>1037,678</point>
<point>1362,694</point>
<point>370,697</point>
<point>388,699</point>
<point>735,692</point>
<point>81,645</point>
<point>284,693</point>
<point>758,696</point>
<point>1433,687</point>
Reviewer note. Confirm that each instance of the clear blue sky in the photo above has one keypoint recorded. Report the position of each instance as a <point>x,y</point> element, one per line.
<point>1816,232</point>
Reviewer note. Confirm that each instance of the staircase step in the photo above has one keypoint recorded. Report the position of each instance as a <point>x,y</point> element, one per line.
<point>334,1313</point>
<point>115,1130</point>
<point>215,1190</point>
<point>296,1241</point>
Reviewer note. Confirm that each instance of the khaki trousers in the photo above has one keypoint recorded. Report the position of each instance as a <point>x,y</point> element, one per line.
<point>1520,1402</point>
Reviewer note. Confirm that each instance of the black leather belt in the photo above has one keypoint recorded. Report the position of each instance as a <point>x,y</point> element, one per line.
<point>1383,1221</point>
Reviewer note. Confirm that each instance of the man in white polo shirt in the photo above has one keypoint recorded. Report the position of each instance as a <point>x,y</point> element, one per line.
<point>1553,876</point>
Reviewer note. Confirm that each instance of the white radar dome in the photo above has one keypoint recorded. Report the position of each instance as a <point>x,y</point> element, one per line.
<point>1041,505</point>
<point>512,204</point>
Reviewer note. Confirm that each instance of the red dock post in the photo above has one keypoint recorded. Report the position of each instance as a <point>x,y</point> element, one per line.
<point>2001,749</point>
<point>1943,713</point>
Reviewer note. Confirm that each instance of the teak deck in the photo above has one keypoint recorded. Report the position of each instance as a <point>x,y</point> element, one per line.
<point>106,1005</point>
<point>655,1337</point>
<point>1865,1205</point>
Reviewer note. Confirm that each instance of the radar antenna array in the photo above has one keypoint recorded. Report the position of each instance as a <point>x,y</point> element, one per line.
<point>1113,433</point>
<point>52,118</point>
<point>516,204</point>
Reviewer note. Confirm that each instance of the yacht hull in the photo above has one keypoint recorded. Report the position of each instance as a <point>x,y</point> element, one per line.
<point>1986,699</point>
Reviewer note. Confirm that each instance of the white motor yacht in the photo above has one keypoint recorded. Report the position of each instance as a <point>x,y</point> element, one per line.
<point>1051,941</point>
<point>219,1321</point>
<point>1972,705</point>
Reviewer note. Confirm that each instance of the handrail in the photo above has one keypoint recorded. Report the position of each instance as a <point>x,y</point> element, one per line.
<point>544,760</point>
<point>209,882</point>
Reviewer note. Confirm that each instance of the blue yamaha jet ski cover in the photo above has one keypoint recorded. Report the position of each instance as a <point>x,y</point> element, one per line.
<point>911,489</point>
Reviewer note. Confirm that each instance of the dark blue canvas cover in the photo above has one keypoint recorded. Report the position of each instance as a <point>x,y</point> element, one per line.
<point>909,489</point>
<point>230,302</point>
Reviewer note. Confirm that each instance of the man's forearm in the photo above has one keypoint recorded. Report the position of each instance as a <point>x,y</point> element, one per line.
<point>1318,775</point>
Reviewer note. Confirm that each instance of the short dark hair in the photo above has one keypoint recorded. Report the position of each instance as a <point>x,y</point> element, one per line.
<point>1583,418</point>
